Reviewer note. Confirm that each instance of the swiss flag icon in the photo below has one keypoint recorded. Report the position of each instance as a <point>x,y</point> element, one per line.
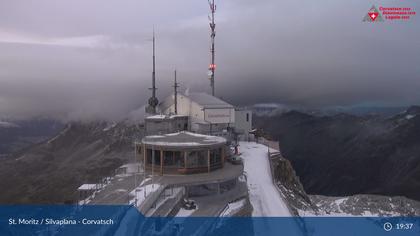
<point>373,15</point>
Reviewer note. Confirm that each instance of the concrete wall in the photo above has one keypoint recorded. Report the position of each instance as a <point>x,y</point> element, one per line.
<point>242,124</point>
<point>219,115</point>
<point>196,112</point>
<point>166,125</point>
<point>215,129</point>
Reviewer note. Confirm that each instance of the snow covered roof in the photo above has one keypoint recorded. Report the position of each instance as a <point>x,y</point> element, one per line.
<point>87,187</point>
<point>208,101</point>
<point>203,99</point>
<point>162,117</point>
<point>183,139</point>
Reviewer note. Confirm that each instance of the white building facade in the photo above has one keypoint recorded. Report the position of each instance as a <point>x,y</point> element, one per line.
<point>243,121</point>
<point>207,114</point>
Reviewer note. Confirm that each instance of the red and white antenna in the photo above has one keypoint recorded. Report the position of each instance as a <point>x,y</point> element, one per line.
<point>212,66</point>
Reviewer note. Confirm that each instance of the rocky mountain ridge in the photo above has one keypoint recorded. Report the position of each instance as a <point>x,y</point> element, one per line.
<point>345,155</point>
<point>51,171</point>
<point>19,134</point>
<point>303,204</point>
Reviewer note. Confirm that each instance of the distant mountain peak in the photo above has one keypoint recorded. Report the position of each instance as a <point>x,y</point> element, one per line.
<point>413,110</point>
<point>4,124</point>
<point>296,113</point>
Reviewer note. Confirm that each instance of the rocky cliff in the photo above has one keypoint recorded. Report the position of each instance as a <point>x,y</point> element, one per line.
<point>345,155</point>
<point>303,204</point>
<point>51,171</point>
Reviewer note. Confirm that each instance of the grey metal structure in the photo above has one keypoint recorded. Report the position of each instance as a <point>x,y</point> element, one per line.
<point>176,94</point>
<point>153,101</point>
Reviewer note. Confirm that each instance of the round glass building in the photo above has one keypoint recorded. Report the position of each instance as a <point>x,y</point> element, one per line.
<point>183,153</point>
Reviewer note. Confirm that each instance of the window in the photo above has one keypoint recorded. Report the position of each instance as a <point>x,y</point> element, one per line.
<point>179,159</point>
<point>149,159</point>
<point>197,159</point>
<point>215,156</point>
<point>247,117</point>
<point>168,158</point>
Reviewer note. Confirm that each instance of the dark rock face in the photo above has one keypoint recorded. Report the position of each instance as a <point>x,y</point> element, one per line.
<point>344,155</point>
<point>50,172</point>
<point>302,204</point>
<point>290,185</point>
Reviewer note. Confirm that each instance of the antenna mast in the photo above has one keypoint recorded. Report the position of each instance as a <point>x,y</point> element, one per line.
<point>212,66</point>
<point>176,94</point>
<point>153,101</point>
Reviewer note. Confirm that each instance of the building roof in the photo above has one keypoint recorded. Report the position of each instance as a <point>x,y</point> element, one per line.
<point>164,117</point>
<point>87,187</point>
<point>208,101</point>
<point>203,99</point>
<point>183,139</point>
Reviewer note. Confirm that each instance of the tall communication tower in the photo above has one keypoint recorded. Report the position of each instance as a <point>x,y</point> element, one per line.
<point>153,101</point>
<point>212,66</point>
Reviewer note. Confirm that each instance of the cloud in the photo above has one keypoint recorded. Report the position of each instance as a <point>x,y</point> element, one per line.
<point>93,41</point>
<point>92,59</point>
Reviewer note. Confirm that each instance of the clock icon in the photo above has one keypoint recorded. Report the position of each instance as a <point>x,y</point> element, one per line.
<point>387,226</point>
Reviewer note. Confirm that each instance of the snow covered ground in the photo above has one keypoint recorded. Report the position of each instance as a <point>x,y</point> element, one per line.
<point>264,196</point>
<point>362,205</point>
<point>185,213</point>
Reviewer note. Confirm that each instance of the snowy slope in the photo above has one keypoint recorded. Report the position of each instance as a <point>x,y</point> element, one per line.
<point>364,205</point>
<point>264,196</point>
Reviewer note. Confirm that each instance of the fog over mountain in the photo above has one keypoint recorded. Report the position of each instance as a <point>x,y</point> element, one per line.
<point>92,59</point>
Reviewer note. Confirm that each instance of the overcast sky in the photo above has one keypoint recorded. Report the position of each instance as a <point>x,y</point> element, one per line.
<point>83,59</point>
